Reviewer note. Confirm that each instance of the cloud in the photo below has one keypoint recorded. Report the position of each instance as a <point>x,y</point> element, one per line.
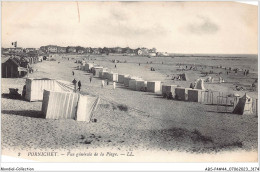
<point>203,25</point>
<point>127,29</point>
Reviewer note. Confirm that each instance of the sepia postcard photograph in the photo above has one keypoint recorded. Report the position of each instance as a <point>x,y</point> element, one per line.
<point>129,81</point>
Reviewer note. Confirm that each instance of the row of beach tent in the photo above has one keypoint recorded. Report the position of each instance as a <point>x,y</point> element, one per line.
<point>139,84</point>
<point>196,94</point>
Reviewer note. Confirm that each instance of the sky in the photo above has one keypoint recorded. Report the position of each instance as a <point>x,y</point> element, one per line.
<point>176,27</point>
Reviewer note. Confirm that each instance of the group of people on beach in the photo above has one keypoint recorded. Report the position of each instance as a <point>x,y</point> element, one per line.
<point>75,85</point>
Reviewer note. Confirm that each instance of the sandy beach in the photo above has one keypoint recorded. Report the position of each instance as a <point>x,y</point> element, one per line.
<point>150,122</point>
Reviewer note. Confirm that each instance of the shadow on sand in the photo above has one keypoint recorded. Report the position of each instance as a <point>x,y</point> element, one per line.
<point>26,113</point>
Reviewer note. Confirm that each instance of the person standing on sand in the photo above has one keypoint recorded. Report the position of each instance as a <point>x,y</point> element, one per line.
<point>114,85</point>
<point>102,83</point>
<point>73,73</point>
<point>90,79</point>
<point>139,64</point>
<point>79,85</point>
<point>74,83</point>
<point>115,65</point>
<point>107,82</point>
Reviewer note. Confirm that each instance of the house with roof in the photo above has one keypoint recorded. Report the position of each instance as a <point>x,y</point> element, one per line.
<point>88,50</point>
<point>27,50</point>
<point>142,51</point>
<point>80,50</point>
<point>71,50</point>
<point>118,50</point>
<point>52,48</point>
<point>62,49</point>
<point>97,50</point>
<point>10,67</point>
<point>49,48</point>
<point>15,50</point>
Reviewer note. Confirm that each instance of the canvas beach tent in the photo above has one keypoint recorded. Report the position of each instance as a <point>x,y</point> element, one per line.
<point>105,75</point>
<point>141,85</point>
<point>126,81</point>
<point>154,86</point>
<point>59,105</point>
<point>244,106</point>
<point>181,93</point>
<point>96,70</point>
<point>35,87</point>
<point>88,66</point>
<point>199,84</point>
<point>86,105</point>
<point>133,83</point>
<point>196,95</point>
<point>121,78</point>
<point>67,105</point>
<point>168,89</point>
<point>184,77</point>
<point>100,75</point>
<point>112,76</point>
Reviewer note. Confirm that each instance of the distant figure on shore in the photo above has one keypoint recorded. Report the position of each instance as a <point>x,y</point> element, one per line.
<point>115,66</point>
<point>90,79</point>
<point>79,85</point>
<point>114,85</point>
<point>107,82</point>
<point>73,73</point>
<point>192,85</point>
<point>102,84</point>
<point>139,64</point>
<point>247,72</point>
<point>74,83</point>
